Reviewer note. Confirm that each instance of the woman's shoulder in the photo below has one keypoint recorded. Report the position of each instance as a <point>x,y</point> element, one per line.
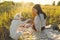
<point>41,14</point>
<point>36,17</point>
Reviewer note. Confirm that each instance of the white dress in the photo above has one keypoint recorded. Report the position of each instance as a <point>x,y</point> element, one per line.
<point>39,22</point>
<point>14,26</point>
<point>52,34</point>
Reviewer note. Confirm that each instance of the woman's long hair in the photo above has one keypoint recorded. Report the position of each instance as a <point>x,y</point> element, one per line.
<point>39,10</point>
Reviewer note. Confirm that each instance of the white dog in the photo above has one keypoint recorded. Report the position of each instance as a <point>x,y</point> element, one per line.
<point>14,26</point>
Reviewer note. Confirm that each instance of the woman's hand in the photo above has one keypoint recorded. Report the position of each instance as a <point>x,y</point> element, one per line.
<point>33,26</point>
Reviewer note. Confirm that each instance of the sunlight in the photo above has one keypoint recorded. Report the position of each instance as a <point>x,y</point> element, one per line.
<point>38,1</point>
<point>35,1</point>
<point>17,0</point>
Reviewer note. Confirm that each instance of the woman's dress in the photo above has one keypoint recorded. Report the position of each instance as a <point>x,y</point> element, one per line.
<point>39,22</point>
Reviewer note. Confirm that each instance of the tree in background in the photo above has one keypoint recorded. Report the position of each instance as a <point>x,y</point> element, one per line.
<point>58,3</point>
<point>54,3</point>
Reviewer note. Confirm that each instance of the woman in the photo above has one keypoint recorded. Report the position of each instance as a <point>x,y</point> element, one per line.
<point>39,18</point>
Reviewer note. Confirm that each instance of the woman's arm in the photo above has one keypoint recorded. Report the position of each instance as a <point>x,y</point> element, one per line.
<point>33,25</point>
<point>37,23</point>
<point>43,21</point>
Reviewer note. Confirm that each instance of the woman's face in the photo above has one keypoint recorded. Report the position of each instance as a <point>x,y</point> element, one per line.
<point>34,11</point>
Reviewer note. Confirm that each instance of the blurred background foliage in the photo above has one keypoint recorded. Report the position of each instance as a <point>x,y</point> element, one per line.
<point>9,9</point>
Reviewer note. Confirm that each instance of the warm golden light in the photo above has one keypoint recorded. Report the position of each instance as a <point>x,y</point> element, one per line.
<point>36,1</point>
